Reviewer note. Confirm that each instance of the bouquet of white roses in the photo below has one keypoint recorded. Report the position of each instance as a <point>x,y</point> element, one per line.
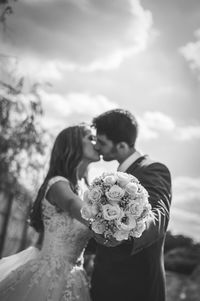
<point>117,205</point>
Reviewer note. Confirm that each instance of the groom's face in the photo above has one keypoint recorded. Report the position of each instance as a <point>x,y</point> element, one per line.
<point>106,147</point>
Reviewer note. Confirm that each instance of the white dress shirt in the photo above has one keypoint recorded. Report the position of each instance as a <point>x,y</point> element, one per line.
<point>129,161</point>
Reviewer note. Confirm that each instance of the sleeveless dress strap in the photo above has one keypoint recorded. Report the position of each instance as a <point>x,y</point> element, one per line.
<point>53,181</point>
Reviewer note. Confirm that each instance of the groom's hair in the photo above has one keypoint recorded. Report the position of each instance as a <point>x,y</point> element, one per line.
<point>118,125</point>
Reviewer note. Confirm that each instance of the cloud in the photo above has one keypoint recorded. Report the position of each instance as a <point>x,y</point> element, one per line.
<point>87,34</point>
<point>188,133</point>
<point>145,132</point>
<point>62,110</point>
<point>153,123</point>
<point>39,69</point>
<point>185,223</point>
<point>187,192</point>
<point>185,209</point>
<point>158,120</point>
<point>191,52</point>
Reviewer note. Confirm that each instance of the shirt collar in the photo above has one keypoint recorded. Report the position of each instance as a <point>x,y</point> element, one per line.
<point>129,161</point>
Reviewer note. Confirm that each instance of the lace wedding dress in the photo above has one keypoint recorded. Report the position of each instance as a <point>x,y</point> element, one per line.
<point>52,273</point>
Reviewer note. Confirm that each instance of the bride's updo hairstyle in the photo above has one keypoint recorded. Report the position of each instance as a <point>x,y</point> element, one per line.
<point>65,157</point>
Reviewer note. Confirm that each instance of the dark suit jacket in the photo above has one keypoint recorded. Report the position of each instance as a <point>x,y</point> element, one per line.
<point>134,270</point>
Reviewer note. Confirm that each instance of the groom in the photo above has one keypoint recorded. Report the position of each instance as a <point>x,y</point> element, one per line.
<point>132,270</point>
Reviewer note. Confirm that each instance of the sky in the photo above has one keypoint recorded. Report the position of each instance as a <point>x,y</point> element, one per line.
<point>94,55</point>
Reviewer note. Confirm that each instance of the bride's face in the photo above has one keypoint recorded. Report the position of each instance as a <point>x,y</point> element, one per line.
<point>89,152</point>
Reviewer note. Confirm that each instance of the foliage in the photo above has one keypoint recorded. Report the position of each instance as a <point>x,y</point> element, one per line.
<point>182,260</point>
<point>23,141</point>
<point>175,241</point>
<point>5,10</point>
<point>182,254</point>
<point>21,136</point>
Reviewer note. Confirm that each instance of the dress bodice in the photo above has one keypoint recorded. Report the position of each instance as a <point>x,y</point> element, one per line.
<point>64,236</point>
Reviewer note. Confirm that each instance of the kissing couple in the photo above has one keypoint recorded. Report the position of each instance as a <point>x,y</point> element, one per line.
<point>129,270</point>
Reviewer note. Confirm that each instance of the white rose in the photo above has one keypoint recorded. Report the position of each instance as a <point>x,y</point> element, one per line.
<point>111,212</point>
<point>131,188</point>
<point>142,194</point>
<point>137,232</point>
<point>121,235</point>
<point>98,227</point>
<point>135,208</point>
<point>143,199</point>
<point>128,224</point>
<point>123,178</point>
<point>94,209</point>
<point>105,174</point>
<point>95,194</point>
<point>110,179</point>
<point>86,212</point>
<point>86,198</point>
<point>115,193</point>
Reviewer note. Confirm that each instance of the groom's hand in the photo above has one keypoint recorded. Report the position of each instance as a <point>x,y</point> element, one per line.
<point>111,242</point>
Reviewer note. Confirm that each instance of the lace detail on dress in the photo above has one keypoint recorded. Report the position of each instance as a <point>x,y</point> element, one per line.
<point>54,272</point>
<point>76,280</point>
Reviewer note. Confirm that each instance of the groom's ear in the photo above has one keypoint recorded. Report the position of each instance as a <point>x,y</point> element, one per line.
<point>122,146</point>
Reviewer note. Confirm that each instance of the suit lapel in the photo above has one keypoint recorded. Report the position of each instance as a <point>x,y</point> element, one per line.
<point>135,164</point>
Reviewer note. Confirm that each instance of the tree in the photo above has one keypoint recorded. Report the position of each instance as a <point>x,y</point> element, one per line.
<point>22,139</point>
<point>22,142</point>
<point>5,10</point>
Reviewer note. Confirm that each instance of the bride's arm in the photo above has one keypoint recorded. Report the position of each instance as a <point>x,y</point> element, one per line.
<point>60,194</point>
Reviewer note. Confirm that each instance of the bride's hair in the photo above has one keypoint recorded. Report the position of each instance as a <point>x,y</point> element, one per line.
<point>65,157</point>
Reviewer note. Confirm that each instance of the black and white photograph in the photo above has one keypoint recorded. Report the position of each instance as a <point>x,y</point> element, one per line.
<point>99,150</point>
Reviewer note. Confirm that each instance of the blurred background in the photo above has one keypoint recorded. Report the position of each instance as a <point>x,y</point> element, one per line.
<point>66,61</point>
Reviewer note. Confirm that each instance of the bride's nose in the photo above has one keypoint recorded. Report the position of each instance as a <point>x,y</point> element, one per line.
<point>96,146</point>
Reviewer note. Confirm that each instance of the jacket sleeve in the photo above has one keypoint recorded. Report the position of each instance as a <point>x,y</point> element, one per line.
<point>157,181</point>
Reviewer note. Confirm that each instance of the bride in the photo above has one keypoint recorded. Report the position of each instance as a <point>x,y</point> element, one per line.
<point>52,273</point>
